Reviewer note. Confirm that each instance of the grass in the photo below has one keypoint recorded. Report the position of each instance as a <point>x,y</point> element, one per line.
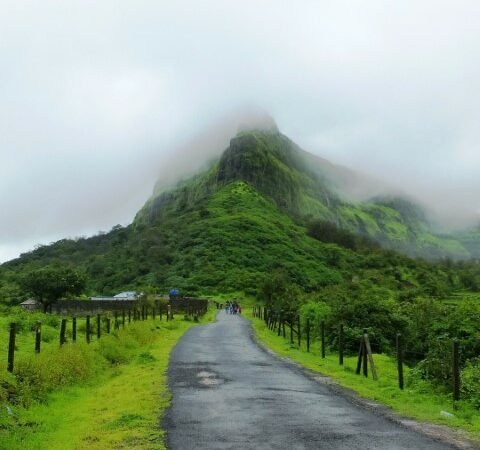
<point>118,408</point>
<point>419,400</point>
<point>25,337</point>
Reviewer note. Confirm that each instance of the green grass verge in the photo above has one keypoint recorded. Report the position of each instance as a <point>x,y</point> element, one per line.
<point>419,400</point>
<point>119,408</point>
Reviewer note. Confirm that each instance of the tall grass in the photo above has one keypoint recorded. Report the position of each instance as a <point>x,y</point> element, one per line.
<point>37,375</point>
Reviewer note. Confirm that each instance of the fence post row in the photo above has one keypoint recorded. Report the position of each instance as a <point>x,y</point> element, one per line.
<point>365,354</point>
<point>137,314</point>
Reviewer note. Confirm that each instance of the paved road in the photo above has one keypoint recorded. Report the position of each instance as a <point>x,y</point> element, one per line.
<point>230,394</point>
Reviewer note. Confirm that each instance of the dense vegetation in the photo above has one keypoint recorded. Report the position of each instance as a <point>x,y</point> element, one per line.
<point>265,223</point>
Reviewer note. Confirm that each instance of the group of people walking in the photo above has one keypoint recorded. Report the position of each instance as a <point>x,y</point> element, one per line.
<point>233,308</point>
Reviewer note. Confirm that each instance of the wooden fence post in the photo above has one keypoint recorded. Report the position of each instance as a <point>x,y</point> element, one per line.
<point>99,326</point>
<point>115,323</point>
<point>63,329</point>
<point>400,361</point>
<point>108,324</point>
<point>365,356</point>
<point>38,336</point>
<point>74,329</point>
<point>369,355</point>
<point>11,346</point>
<point>456,371</point>
<point>308,335</point>
<point>360,357</point>
<point>87,329</point>
<point>299,335</point>
<point>322,337</point>
<point>340,344</point>
<point>123,318</point>
<point>129,315</point>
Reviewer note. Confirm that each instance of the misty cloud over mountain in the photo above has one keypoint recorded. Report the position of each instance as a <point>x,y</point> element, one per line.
<point>98,102</point>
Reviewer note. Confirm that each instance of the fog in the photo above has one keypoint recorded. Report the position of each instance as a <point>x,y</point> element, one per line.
<point>99,99</point>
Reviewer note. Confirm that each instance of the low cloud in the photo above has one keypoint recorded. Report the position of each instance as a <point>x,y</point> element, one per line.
<point>97,100</point>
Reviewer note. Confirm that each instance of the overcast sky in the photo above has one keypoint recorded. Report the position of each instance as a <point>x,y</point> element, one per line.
<point>97,96</point>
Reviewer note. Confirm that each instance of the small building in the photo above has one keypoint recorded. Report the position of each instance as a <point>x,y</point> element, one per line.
<point>30,305</point>
<point>128,295</point>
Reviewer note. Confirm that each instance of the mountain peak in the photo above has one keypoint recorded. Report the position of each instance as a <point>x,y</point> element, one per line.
<point>257,121</point>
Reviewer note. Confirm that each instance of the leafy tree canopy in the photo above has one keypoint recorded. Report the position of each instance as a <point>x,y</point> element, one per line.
<point>49,284</point>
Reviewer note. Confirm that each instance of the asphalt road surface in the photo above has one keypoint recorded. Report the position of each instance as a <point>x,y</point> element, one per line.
<point>228,394</point>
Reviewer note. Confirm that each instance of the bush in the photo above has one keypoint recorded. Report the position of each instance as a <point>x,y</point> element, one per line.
<point>112,350</point>
<point>363,305</point>
<point>437,366</point>
<point>315,312</point>
<point>49,334</point>
<point>470,385</point>
<point>37,375</point>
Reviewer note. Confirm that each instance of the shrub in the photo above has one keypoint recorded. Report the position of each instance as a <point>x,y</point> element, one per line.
<point>437,366</point>
<point>37,375</point>
<point>49,334</point>
<point>315,312</point>
<point>470,384</point>
<point>112,350</point>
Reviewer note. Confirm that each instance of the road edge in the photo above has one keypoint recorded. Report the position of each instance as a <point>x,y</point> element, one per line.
<point>440,433</point>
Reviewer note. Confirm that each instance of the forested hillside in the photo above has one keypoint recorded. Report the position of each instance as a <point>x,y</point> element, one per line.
<point>263,206</point>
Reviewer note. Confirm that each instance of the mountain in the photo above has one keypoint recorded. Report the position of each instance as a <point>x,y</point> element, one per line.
<point>306,187</point>
<point>264,206</point>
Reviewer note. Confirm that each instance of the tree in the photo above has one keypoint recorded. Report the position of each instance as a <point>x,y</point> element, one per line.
<point>49,284</point>
<point>278,292</point>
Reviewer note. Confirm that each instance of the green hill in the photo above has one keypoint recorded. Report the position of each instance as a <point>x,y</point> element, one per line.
<point>254,212</point>
<point>302,186</point>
